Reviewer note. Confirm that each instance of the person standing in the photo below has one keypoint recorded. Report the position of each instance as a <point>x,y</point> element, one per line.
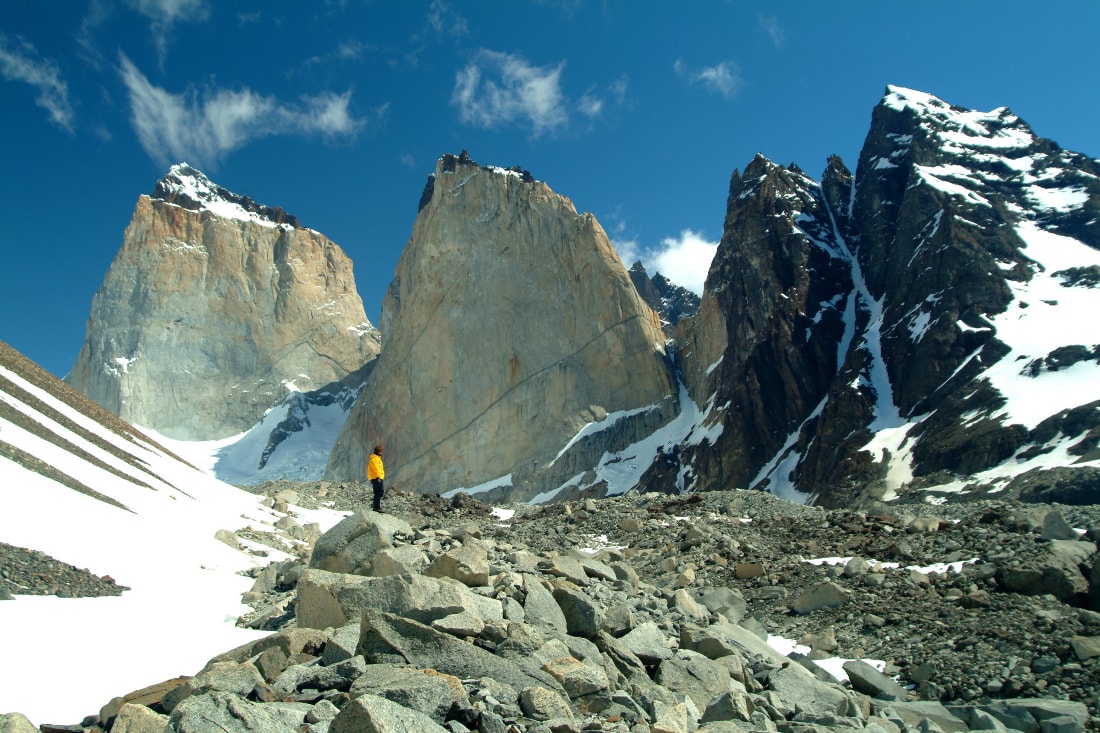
<point>376,474</point>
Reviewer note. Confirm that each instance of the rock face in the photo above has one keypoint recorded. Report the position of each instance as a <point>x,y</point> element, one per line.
<point>214,309</point>
<point>670,301</point>
<point>510,327</point>
<point>860,335</point>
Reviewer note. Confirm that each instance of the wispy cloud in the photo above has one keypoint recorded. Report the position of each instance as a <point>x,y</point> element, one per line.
<point>444,21</point>
<point>685,260</point>
<point>20,61</point>
<point>345,51</point>
<point>164,14</point>
<point>724,78</point>
<point>497,89</point>
<point>770,25</point>
<point>203,128</point>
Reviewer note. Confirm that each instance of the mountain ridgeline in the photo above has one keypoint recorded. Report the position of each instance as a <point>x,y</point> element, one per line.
<point>923,324</point>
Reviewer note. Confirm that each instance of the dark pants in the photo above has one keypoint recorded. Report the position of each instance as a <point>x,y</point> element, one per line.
<point>378,491</point>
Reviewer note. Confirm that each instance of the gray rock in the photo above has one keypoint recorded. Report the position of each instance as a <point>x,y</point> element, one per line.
<point>914,714</point>
<point>1075,551</point>
<point>16,723</point>
<point>692,674</point>
<point>338,676</point>
<point>334,599</point>
<point>593,568</point>
<point>824,641</point>
<point>856,567</point>
<point>823,595</point>
<point>583,616</point>
<point>133,718</point>
<point>289,641</point>
<point>468,564</point>
<point>388,638</point>
<point>569,568</point>
<point>729,705</point>
<point>799,689</point>
<point>539,606</point>
<point>228,537</point>
<point>625,661</point>
<point>323,710</point>
<point>409,688</point>
<point>678,717</point>
<point>341,644</point>
<point>399,560</point>
<point>350,546</point>
<point>1057,576</point>
<point>1030,714</point>
<point>721,639</point>
<point>724,726</point>
<point>648,643</point>
<point>576,677</point>
<point>1055,527</point>
<point>627,575</point>
<point>683,602</point>
<point>462,624</point>
<point>870,681</point>
<point>229,677</point>
<point>727,602</point>
<point>230,713</point>
<point>619,619</point>
<point>1086,647</point>
<point>540,703</point>
<point>271,663</point>
<point>373,714</point>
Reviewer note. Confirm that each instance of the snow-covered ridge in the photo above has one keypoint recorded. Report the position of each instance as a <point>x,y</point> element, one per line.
<point>190,188</point>
<point>988,151</point>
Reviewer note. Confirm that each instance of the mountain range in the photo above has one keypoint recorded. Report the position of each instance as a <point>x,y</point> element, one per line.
<point>916,331</point>
<point>915,325</point>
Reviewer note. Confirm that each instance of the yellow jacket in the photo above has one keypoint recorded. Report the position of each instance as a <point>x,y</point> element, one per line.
<point>375,469</point>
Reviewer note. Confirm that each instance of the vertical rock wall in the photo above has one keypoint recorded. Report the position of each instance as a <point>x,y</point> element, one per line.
<point>511,323</point>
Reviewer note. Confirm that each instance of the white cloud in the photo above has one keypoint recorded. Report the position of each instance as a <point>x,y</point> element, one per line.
<point>497,89</point>
<point>444,21</point>
<point>724,78</point>
<point>163,14</point>
<point>203,129</point>
<point>19,61</point>
<point>770,25</point>
<point>685,260</point>
<point>590,105</point>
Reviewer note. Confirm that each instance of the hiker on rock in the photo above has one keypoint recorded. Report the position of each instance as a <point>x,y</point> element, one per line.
<point>376,473</point>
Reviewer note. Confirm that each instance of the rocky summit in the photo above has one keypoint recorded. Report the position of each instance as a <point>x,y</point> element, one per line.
<point>516,351</point>
<point>214,308</point>
<point>914,325</point>
<point>718,613</point>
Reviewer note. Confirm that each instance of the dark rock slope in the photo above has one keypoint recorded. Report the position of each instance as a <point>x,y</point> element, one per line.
<point>906,326</point>
<point>649,613</point>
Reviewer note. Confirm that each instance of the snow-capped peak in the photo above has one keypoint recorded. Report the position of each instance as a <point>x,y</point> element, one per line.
<point>190,188</point>
<point>962,129</point>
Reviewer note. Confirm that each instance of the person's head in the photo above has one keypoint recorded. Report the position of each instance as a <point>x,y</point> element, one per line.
<point>378,449</point>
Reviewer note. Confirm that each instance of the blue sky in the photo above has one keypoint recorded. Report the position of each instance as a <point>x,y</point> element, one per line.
<point>637,111</point>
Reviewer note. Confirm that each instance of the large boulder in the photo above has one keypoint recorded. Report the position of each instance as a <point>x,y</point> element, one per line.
<point>389,638</point>
<point>354,543</point>
<point>334,599</point>
<point>371,713</point>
